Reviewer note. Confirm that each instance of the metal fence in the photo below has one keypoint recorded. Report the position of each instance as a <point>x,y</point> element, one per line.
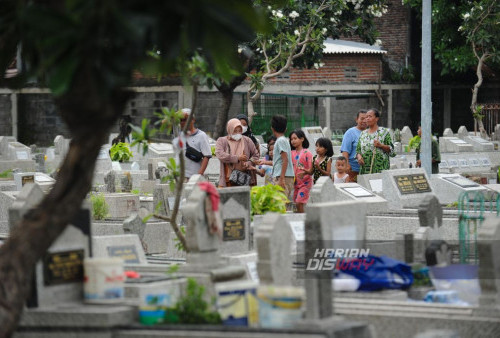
<point>300,111</point>
<point>472,207</point>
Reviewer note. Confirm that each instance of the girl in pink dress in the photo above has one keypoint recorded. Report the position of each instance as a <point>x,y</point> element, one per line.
<point>302,163</point>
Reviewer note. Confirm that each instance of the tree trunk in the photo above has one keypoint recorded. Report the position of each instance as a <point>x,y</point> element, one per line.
<point>223,115</point>
<point>250,111</point>
<point>227,91</point>
<point>89,117</point>
<point>475,92</point>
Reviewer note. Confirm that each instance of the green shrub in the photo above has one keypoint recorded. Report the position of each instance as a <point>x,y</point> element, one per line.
<point>414,142</point>
<point>120,152</point>
<point>193,309</point>
<point>100,209</point>
<point>6,174</point>
<point>268,198</point>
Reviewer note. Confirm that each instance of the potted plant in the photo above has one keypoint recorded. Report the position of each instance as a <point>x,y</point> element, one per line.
<point>121,152</point>
<point>267,198</point>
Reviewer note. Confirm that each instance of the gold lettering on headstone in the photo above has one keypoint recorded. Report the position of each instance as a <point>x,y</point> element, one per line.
<point>27,179</point>
<point>63,267</point>
<point>234,229</point>
<point>412,184</point>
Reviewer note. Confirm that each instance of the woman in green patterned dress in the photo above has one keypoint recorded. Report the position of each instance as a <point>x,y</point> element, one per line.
<point>374,140</point>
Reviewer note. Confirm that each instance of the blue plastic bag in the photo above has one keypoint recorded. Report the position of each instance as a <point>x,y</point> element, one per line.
<point>377,273</point>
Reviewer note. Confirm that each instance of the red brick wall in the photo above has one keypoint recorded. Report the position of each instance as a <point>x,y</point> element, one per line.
<point>393,28</point>
<point>368,70</point>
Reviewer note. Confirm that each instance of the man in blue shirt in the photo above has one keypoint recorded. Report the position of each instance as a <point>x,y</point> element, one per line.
<point>349,143</point>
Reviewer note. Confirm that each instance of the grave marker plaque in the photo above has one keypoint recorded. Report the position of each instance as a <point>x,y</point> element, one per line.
<point>461,182</point>
<point>358,191</point>
<point>27,179</point>
<point>475,162</point>
<point>443,164</point>
<point>453,163</point>
<point>126,252</point>
<point>463,163</point>
<point>486,162</point>
<point>412,184</point>
<point>234,229</point>
<point>63,267</point>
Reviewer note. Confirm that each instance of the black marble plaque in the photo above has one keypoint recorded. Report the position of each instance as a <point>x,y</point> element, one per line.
<point>412,184</point>
<point>234,229</point>
<point>63,267</point>
<point>126,252</point>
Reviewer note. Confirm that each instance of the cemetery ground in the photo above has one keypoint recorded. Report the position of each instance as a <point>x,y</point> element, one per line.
<point>398,254</point>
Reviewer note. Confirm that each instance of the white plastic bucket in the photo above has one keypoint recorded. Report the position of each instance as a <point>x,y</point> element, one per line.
<point>103,281</point>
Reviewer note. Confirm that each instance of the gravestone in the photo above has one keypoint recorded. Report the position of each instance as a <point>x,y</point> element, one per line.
<point>430,215</point>
<point>18,151</point>
<point>489,263</point>
<point>497,133</point>
<point>127,247</point>
<point>4,144</point>
<point>405,188</point>
<point>28,198</point>
<point>191,184</point>
<point>162,150</point>
<point>161,172</point>
<point>406,135</point>
<point>404,247</point>
<point>354,191</point>
<point>161,200</point>
<point>122,205</point>
<point>448,187</point>
<point>103,162</point>
<point>235,213</point>
<point>372,182</point>
<point>327,132</point>
<point>58,276</point>
<point>454,145</point>
<point>323,190</point>
<point>312,135</point>
<point>273,245</point>
<point>479,143</point>
<point>134,224</point>
<point>331,225</point>
<point>23,178</point>
<point>462,132</point>
<point>148,186</point>
<point>109,181</point>
<point>61,145</point>
<point>126,182</point>
<point>448,132</point>
<point>40,162</point>
<point>398,147</point>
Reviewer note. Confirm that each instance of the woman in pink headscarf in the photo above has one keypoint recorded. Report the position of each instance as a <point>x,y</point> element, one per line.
<point>235,151</point>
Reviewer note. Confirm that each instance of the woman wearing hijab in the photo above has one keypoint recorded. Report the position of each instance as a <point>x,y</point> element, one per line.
<point>235,151</point>
<point>247,131</point>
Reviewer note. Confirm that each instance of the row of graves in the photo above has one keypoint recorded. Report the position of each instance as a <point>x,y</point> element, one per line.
<point>271,275</point>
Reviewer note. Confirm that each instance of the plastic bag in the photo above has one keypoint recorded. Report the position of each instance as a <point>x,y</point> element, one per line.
<point>377,273</point>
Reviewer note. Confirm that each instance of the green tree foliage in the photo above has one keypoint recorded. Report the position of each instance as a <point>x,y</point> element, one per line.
<point>85,51</point>
<point>465,36</point>
<point>300,29</point>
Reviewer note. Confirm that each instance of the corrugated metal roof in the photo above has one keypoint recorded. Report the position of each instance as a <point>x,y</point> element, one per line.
<point>350,47</point>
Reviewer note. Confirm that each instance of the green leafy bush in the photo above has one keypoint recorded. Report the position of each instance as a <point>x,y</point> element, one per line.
<point>414,142</point>
<point>100,209</point>
<point>193,309</point>
<point>120,152</point>
<point>268,198</point>
<point>6,174</point>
